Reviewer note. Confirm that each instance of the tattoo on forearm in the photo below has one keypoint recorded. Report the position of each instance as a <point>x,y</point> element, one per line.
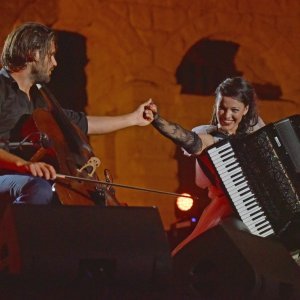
<point>187,139</point>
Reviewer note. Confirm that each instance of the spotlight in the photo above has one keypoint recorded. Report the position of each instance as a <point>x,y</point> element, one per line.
<point>186,207</point>
<point>184,202</point>
<point>187,214</point>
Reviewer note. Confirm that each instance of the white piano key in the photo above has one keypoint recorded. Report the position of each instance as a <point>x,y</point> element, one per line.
<point>228,168</point>
<point>227,157</point>
<point>236,186</point>
<point>250,209</point>
<point>263,227</point>
<point>254,225</point>
<point>260,221</point>
<point>250,216</point>
<point>237,175</point>
<point>256,217</point>
<point>218,149</point>
<point>233,188</point>
<point>231,172</point>
<point>267,233</point>
<point>245,211</point>
<point>236,196</point>
<point>220,165</point>
<point>222,156</point>
<point>238,201</point>
<point>229,183</point>
<point>230,177</point>
<point>262,218</point>
<point>245,203</point>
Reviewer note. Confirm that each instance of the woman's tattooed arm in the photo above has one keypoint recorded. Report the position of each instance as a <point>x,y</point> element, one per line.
<point>187,139</point>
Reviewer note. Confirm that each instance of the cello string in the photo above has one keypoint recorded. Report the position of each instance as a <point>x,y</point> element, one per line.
<point>62,176</point>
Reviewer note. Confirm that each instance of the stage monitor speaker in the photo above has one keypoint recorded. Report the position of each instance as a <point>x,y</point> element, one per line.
<point>228,263</point>
<point>115,245</point>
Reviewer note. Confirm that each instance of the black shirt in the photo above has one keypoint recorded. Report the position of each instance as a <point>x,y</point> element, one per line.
<point>14,104</point>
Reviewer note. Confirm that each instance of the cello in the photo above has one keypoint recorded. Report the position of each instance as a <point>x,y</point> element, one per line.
<point>70,154</point>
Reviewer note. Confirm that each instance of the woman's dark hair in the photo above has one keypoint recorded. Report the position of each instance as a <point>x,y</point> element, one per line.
<point>240,90</point>
<point>22,43</point>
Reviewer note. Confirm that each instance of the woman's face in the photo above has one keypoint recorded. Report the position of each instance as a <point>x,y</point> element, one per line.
<point>229,113</point>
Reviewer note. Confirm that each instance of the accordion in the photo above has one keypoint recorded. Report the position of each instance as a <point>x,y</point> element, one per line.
<point>260,174</point>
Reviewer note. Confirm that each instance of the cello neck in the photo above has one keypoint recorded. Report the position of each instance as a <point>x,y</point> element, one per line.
<point>75,136</point>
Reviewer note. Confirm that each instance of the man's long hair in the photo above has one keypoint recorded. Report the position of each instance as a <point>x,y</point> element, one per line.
<point>22,44</point>
<point>240,90</point>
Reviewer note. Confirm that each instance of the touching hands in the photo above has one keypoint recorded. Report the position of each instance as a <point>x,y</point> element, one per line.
<point>150,111</point>
<point>144,115</point>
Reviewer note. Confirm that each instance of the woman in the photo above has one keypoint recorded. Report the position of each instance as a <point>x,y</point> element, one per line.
<point>234,114</point>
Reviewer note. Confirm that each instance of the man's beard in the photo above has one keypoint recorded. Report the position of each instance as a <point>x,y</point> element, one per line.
<point>39,74</point>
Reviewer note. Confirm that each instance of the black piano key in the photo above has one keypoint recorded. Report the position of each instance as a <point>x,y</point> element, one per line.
<point>222,150</point>
<point>249,198</point>
<point>245,201</point>
<point>236,174</point>
<point>254,218</point>
<point>238,183</point>
<point>237,178</point>
<point>243,188</point>
<point>243,210</point>
<point>250,202</point>
<point>260,223</point>
<point>226,157</point>
<point>231,169</point>
<point>230,184</point>
<point>250,207</point>
<point>229,165</point>
<point>258,216</point>
<point>245,192</point>
<point>248,212</point>
<point>265,230</point>
<point>224,164</point>
<point>262,227</point>
<point>254,213</point>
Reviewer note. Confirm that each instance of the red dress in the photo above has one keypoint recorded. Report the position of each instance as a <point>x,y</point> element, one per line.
<point>218,209</point>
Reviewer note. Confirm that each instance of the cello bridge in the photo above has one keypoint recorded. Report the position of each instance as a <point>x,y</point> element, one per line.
<point>93,163</point>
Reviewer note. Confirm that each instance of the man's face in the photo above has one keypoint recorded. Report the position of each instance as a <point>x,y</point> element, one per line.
<point>42,68</point>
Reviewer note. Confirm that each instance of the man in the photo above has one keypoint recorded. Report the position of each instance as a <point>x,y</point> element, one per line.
<point>28,57</point>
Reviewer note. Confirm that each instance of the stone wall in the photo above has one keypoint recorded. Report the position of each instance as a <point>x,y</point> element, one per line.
<point>134,48</point>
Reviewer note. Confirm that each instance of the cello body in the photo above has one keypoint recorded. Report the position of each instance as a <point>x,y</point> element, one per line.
<point>70,153</point>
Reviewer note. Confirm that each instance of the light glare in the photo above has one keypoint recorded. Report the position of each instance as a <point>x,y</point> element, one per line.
<point>184,203</point>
